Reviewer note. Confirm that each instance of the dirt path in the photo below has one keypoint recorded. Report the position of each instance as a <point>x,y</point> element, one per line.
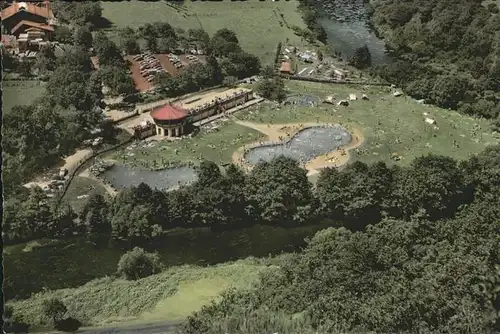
<point>283,132</point>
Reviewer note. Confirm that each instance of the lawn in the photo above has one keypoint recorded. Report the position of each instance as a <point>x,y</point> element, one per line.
<point>170,295</point>
<point>251,20</point>
<point>217,146</point>
<point>81,186</point>
<point>390,124</point>
<point>20,92</point>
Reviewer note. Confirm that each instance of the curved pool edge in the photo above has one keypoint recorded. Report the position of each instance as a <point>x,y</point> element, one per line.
<point>312,166</point>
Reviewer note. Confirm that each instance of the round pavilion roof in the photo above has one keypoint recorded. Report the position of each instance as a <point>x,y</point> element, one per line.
<point>169,113</point>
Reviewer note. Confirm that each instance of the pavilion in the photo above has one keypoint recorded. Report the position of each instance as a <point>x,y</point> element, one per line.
<point>170,120</point>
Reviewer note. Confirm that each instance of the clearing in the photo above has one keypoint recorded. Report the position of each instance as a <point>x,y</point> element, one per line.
<point>389,124</point>
<point>170,295</point>
<point>250,20</point>
<point>20,92</point>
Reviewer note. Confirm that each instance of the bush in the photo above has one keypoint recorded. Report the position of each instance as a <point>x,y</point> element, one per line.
<point>138,263</point>
<point>54,309</point>
<point>68,325</point>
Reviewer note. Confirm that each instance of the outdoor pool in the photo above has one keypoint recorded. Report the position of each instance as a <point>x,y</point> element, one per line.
<point>122,176</point>
<point>304,146</point>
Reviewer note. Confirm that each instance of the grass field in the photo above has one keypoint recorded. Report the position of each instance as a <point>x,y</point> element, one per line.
<point>251,20</point>
<point>390,124</point>
<point>171,295</point>
<point>20,92</point>
<point>225,141</point>
<point>82,186</point>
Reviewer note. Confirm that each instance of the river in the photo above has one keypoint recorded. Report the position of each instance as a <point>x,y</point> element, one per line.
<point>73,262</point>
<point>347,26</point>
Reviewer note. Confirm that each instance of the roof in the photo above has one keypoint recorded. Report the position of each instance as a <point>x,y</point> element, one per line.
<point>32,8</point>
<point>32,24</point>
<point>286,67</point>
<point>169,112</point>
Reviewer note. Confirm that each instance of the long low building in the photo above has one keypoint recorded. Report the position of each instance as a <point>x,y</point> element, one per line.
<point>173,120</point>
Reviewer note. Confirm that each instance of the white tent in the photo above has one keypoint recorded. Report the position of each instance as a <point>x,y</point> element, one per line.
<point>430,120</point>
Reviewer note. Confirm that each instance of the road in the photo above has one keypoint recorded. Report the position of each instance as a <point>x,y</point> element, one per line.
<point>152,328</point>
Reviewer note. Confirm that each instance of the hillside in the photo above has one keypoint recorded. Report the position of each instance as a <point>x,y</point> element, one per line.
<point>449,52</point>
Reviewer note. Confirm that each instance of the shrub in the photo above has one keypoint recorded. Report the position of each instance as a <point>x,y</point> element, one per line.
<point>68,325</point>
<point>138,263</point>
<point>54,309</point>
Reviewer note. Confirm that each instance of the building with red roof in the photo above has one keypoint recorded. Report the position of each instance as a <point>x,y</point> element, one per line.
<point>170,120</point>
<point>286,67</point>
<point>24,26</point>
<point>40,12</point>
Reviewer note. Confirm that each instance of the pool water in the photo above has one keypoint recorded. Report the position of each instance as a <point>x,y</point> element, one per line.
<point>304,146</point>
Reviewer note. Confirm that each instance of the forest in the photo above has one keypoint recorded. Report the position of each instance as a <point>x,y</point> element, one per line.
<point>448,52</point>
<point>432,266</point>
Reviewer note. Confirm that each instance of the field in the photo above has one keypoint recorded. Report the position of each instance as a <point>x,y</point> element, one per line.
<point>250,20</point>
<point>217,146</point>
<point>20,92</point>
<point>390,124</point>
<point>81,186</point>
<point>170,295</point>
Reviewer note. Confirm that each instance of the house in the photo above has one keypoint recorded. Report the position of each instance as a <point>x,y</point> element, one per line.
<point>33,29</point>
<point>353,97</point>
<point>17,12</point>
<point>286,68</point>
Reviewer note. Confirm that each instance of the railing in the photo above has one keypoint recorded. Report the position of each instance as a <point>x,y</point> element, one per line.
<point>333,81</point>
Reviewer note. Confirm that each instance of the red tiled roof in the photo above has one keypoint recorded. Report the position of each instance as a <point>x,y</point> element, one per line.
<point>286,67</point>
<point>169,113</point>
<point>29,7</point>
<point>32,24</point>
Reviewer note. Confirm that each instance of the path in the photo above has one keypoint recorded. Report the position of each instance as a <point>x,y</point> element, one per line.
<point>279,133</point>
<point>111,191</point>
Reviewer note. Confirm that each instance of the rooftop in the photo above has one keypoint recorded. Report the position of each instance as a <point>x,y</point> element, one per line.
<point>169,112</point>
<point>32,8</point>
<point>286,67</point>
<point>210,97</point>
<point>32,24</point>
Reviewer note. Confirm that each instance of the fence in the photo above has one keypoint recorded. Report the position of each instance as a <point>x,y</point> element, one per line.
<point>334,81</point>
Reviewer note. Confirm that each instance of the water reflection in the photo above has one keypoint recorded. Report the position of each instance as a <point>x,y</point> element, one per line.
<point>121,176</point>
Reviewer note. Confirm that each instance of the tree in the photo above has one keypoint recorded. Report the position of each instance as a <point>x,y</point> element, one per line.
<point>24,68</point>
<point>273,89</point>
<point>230,81</point>
<point>63,34</point>
<point>137,263</point>
<point>68,325</point>
<point>46,60</point>
<point>208,174</point>
<point>448,90</point>
<point>54,309</point>
<point>83,37</point>
<point>109,54</point>
<point>227,35</point>
<point>268,72</point>
<point>94,215</point>
<point>152,44</point>
<point>361,58</point>
<point>279,191</point>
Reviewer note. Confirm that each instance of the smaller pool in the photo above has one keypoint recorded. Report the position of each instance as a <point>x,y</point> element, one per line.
<point>121,176</point>
<point>304,146</point>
